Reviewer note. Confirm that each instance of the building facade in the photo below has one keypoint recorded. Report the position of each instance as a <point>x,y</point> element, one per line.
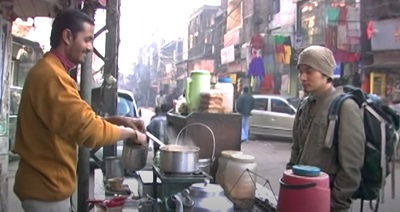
<point>205,30</point>
<point>382,49</point>
<point>335,24</point>
<point>258,45</point>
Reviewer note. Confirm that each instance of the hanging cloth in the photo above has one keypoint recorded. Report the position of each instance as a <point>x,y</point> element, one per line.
<point>256,67</point>
<point>257,42</point>
<point>332,15</point>
<point>370,30</point>
<point>268,82</point>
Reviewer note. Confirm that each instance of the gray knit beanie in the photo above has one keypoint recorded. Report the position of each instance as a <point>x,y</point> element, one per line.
<point>319,58</point>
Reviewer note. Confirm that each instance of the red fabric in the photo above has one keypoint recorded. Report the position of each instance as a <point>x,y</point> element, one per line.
<point>331,37</point>
<point>268,82</point>
<point>346,57</point>
<point>257,42</point>
<point>342,15</point>
<point>370,30</point>
<point>68,64</point>
<point>279,48</point>
<point>366,84</point>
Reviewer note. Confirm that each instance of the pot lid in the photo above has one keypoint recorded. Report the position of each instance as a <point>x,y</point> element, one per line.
<point>243,158</point>
<point>179,148</point>
<point>200,72</point>
<point>229,153</point>
<point>206,190</point>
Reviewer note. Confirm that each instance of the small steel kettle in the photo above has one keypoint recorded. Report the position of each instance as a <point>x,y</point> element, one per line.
<point>203,197</point>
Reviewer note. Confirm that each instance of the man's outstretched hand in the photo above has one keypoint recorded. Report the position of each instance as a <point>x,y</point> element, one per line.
<point>134,123</point>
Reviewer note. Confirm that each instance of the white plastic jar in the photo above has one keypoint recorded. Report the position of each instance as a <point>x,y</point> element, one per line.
<point>240,184</point>
<point>225,86</point>
<point>226,155</point>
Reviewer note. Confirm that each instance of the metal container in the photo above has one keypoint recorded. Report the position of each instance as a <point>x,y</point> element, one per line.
<point>184,159</point>
<point>202,197</point>
<point>179,159</point>
<point>205,165</point>
<point>134,157</point>
<point>113,168</point>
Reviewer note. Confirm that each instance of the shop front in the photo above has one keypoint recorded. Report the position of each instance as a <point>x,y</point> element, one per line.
<point>383,75</point>
<point>335,25</point>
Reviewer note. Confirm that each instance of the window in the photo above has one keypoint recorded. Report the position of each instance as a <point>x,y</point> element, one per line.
<point>125,107</point>
<point>261,104</point>
<point>280,106</point>
<point>276,6</point>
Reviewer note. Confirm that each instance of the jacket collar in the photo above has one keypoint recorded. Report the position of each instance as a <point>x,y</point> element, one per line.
<point>321,97</point>
<point>67,63</point>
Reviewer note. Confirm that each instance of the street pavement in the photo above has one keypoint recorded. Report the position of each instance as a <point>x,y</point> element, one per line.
<point>271,157</point>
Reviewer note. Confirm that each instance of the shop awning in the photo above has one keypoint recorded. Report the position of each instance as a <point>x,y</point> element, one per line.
<point>393,64</point>
<point>37,8</point>
<point>385,60</point>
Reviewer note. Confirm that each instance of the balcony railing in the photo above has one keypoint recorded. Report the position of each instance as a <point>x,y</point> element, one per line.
<point>201,50</point>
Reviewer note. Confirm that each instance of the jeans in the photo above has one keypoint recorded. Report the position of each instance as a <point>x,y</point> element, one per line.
<point>245,128</point>
<point>42,206</point>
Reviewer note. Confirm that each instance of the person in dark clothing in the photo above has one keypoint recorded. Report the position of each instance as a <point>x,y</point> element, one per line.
<point>158,126</point>
<point>244,105</point>
<point>157,111</point>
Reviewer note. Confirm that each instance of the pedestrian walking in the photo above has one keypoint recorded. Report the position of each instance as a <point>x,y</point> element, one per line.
<point>53,120</point>
<point>160,98</point>
<point>343,163</point>
<point>158,126</point>
<point>244,105</point>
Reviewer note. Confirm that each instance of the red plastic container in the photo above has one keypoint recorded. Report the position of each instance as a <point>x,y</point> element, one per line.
<point>304,194</point>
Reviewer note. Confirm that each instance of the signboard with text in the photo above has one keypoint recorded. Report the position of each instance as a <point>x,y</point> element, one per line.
<point>228,54</point>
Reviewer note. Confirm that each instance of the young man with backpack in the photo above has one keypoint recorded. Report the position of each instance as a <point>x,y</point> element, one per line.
<point>344,162</point>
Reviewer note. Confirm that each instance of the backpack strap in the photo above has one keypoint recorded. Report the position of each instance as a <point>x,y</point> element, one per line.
<point>333,119</point>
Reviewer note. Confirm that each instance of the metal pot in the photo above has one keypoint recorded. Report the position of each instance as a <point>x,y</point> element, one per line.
<point>179,159</point>
<point>134,157</point>
<point>183,159</point>
<point>113,167</point>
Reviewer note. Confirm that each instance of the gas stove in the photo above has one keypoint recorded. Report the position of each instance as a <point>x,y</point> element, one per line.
<point>172,183</point>
<point>181,177</point>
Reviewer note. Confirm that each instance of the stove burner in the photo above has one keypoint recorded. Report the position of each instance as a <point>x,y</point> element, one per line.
<point>192,174</point>
<point>196,176</point>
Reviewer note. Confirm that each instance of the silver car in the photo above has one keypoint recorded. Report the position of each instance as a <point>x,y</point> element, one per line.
<point>273,115</point>
<point>126,106</point>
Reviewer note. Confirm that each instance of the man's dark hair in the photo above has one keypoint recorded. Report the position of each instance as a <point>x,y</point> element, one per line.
<point>68,19</point>
<point>245,90</point>
<point>165,107</point>
<point>157,110</point>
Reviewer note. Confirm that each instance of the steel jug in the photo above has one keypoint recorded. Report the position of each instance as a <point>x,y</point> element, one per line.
<point>202,197</point>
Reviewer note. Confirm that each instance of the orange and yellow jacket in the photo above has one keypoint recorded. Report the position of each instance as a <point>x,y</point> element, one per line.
<point>52,122</point>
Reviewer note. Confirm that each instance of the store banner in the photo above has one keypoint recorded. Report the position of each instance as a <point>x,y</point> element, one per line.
<point>386,35</point>
<point>228,54</point>
<point>232,37</point>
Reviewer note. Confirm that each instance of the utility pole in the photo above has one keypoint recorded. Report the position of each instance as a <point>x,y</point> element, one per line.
<point>86,94</point>
<point>111,65</point>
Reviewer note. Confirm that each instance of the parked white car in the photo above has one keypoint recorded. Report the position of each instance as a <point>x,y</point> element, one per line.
<point>273,115</point>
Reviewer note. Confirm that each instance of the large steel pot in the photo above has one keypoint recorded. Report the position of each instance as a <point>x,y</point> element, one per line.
<point>176,158</point>
<point>179,159</point>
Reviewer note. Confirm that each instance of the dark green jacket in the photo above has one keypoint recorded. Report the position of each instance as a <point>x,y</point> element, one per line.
<point>245,104</point>
<point>309,147</point>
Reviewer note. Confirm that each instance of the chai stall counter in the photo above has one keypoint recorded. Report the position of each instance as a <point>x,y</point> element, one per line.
<point>226,128</point>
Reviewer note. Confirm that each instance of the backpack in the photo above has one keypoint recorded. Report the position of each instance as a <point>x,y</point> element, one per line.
<point>380,124</point>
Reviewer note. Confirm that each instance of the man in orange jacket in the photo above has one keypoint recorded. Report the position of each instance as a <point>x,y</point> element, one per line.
<point>53,120</point>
